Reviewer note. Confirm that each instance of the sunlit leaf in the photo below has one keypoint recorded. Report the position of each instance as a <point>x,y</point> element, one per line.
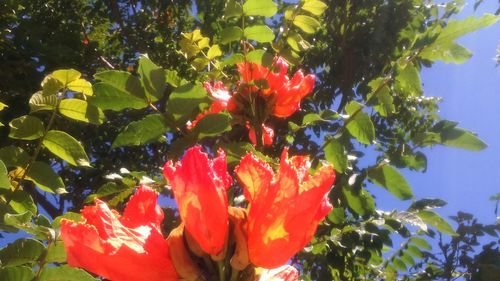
<point>314,7</point>
<point>26,128</point>
<point>433,219</point>
<point>359,124</point>
<point>66,147</point>
<point>16,273</point>
<point>65,273</point>
<point>65,76</point>
<point>108,97</point>
<point>123,81</point>
<point>265,8</point>
<point>82,111</point>
<point>389,178</point>
<point>21,251</point>
<point>184,100</point>
<point>259,33</point>
<point>214,52</point>
<point>39,101</point>
<point>306,23</point>
<point>46,178</point>
<point>335,154</point>
<point>233,9</point>
<point>230,34</point>
<point>141,132</point>
<point>152,78</point>
<point>81,86</point>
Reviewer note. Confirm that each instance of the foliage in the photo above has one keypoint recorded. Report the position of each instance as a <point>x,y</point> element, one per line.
<point>68,136</point>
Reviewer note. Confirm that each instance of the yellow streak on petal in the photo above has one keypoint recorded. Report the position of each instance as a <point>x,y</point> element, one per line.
<point>276,231</point>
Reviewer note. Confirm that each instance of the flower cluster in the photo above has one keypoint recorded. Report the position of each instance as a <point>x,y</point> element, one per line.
<point>262,92</point>
<point>252,243</point>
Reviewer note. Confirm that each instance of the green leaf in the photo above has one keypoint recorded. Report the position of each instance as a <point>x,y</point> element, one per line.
<point>297,43</point>
<point>380,98</point>
<point>16,273</point>
<point>444,48</point>
<point>21,251</point>
<point>314,7</point>
<point>45,178</point>
<point>359,124</point>
<point>152,78</point>
<point>265,8</point>
<point>260,56</point>
<point>81,86</point>
<point>14,156</point>
<point>66,147</point>
<point>212,125</point>
<point>389,178</point>
<point>82,111</point>
<point>450,52</point>
<point>335,154</point>
<point>39,101</point>
<point>172,78</point>
<point>76,217</point>
<point>51,86</point>
<point>408,81</point>
<point>184,100</point>
<point>337,215</point>
<point>306,23</point>
<point>4,178</point>
<point>259,33</point>
<point>414,251</point>
<point>56,252</point>
<point>407,259</point>
<point>65,273</point>
<point>65,76</point>
<point>233,9</point>
<point>399,265</point>
<point>461,138</point>
<point>433,219</point>
<point>230,34</point>
<point>421,242</point>
<point>234,59</point>
<point>360,202</point>
<point>24,222</point>
<point>22,202</point>
<point>141,132</point>
<point>214,52</point>
<point>26,128</point>
<point>123,81</point>
<point>3,106</point>
<point>108,97</point>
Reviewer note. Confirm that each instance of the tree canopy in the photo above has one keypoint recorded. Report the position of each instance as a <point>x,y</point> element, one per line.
<point>96,96</point>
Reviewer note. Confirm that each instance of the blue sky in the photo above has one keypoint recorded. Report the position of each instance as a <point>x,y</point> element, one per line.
<point>471,93</point>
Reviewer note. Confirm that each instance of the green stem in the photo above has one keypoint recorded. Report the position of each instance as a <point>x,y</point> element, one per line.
<point>37,151</point>
<point>222,273</point>
<point>234,275</point>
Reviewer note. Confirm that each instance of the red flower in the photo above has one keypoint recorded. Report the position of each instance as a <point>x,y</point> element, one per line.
<point>287,93</point>
<point>125,248</point>
<point>285,208</point>
<point>283,273</point>
<point>199,185</point>
<point>267,135</point>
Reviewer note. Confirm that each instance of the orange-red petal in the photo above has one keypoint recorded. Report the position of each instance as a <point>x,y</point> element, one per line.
<point>101,242</point>
<point>199,186</point>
